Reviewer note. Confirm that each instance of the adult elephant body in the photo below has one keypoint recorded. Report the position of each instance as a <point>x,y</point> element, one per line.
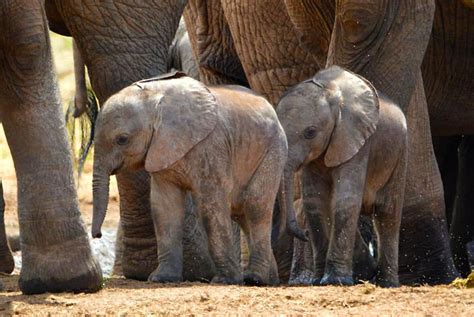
<point>384,41</point>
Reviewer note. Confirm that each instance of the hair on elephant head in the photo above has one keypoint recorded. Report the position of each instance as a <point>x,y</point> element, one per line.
<point>152,123</point>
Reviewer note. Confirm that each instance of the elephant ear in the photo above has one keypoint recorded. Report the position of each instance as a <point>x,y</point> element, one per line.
<point>358,113</point>
<point>186,114</point>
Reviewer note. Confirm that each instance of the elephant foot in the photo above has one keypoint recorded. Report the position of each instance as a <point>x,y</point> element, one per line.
<point>331,279</point>
<point>254,279</point>
<point>306,277</point>
<point>387,282</point>
<point>55,275</point>
<point>315,281</point>
<point>226,280</point>
<point>137,270</point>
<point>164,276</point>
<point>429,260</point>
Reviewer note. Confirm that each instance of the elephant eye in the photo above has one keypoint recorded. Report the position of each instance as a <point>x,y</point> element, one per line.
<point>310,132</point>
<point>122,139</point>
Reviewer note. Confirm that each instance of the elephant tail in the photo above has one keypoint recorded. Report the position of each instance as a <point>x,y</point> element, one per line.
<point>84,109</point>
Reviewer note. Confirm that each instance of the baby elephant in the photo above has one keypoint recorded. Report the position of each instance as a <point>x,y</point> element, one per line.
<point>351,144</point>
<point>222,144</point>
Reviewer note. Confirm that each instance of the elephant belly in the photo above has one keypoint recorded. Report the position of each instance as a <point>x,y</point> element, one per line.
<point>368,202</point>
<point>448,69</point>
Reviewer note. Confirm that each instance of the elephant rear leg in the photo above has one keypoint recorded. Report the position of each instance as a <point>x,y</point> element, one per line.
<point>216,215</point>
<point>258,202</point>
<point>388,215</point>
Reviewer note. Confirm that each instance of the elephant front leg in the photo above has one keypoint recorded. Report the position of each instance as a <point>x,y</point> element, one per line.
<point>346,201</point>
<point>138,249</point>
<point>316,206</point>
<point>338,270</point>
<point>167,204</point>
<point>216,213</point>
<point>425,254</point>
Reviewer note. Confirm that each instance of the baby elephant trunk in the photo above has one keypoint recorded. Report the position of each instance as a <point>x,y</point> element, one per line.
<point>287,212</point>
<point>100,188</point>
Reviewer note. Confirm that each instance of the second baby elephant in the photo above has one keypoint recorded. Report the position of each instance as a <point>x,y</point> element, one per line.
<point>222,144</point>
<point>350,144</point>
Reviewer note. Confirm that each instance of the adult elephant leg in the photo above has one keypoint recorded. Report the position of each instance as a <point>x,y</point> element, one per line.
<point>446,152</point>
<point>55,247</point>
<point>388,48</point>
<point>117,269</point>
<point>6,258</point>
<point>462,226</point>
<point>425,254</point>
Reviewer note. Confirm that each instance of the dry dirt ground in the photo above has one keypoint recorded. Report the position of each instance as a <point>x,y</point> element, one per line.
<point>127,297</point>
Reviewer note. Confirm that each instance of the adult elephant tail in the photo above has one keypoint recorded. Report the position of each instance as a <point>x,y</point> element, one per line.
<point>83,110</point>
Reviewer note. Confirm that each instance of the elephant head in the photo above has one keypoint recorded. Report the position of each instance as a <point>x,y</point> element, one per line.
<point>153,124</point>
<point>329,116</point>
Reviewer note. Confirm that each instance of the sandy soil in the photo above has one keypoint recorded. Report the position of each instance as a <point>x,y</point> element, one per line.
<point>125,297</point>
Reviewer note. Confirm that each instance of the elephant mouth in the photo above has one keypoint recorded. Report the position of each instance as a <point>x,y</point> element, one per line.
<point>117,169</point>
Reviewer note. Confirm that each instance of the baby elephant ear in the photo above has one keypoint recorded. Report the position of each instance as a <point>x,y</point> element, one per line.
<point>358,114</point>
<point>186,114</point>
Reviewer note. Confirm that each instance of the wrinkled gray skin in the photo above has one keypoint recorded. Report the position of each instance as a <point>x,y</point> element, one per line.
<point>351,146</point>
<point>181,53</point>
<point>223,145</point>
<point>56,255</point>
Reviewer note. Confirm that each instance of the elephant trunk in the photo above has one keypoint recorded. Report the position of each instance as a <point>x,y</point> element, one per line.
<point>287,212</point>
<point>100,188</point>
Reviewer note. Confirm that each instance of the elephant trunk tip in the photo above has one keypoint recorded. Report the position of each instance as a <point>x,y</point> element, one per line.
<point>96,232</point>
<point>294,230</point>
